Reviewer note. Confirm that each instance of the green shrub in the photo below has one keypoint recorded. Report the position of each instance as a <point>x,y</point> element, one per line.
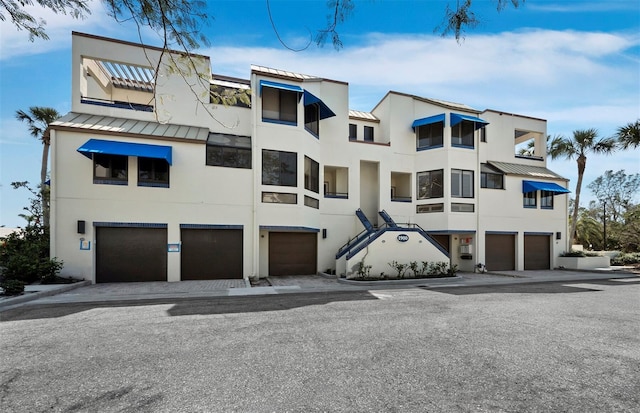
<point>573,253</point>
<point>24,256</point>
<point>12,287</point>
<point>626,259</point>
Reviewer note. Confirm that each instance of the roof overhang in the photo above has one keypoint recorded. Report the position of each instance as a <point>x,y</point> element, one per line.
<point>126,149</point>
<point>532,186</point>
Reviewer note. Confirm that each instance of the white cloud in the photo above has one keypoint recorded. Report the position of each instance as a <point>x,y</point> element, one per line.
<point>558,75</point>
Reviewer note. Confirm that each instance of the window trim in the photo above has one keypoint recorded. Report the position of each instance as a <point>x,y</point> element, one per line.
<point>369,138</point>
<point>430,126</point>
<point>428,175</point>
<point>526,195</point>
<point>280,93</point>
<point>111,180</point>
<point>458,127</point>
<point>280,173</point>
<point>546,195</point>
<point>155,183</point>
<point>310,179</point>
<point>461,183</point>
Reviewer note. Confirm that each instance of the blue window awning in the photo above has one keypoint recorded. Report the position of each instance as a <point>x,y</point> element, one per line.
<point>427,121</point>
<point>125,148</point>
<point>532,186</point>
<point>310,99</point>
<point>457,118</point>
<point>281,86</point>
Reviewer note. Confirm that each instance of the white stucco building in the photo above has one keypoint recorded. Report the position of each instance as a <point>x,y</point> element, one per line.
<point>152,181</point>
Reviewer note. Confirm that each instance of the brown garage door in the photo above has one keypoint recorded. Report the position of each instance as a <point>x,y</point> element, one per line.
<point>500,252</point>
<point>537,252</point>
<point>211,254</point>
<point>131,254</point>
<point>292,253</point>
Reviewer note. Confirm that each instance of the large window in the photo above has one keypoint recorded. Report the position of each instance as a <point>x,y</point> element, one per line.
<point>430,184</point>
<point>430,136</point>
<point>461,183</point>
<point>279,105</point>
<point>279,168</point>
<point>153,172</point>
<point>529,199</point>
<point>368,133</point>
<point>546,199</point>
<point>311,175</point>
<point>110,169</point>
<point>491,177</point>
<point>353,131</point>
<point>462,134</point>
<point>229,150</point>
<point>312,118</point>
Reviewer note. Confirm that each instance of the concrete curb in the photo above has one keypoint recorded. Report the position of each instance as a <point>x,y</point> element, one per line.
<point>9,302</point>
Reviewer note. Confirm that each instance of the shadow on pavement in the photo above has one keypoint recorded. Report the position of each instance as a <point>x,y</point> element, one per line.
<point>563,287</point>
<point>193,306</point>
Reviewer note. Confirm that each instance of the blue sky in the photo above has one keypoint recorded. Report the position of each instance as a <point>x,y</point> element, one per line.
<point>575,63</point>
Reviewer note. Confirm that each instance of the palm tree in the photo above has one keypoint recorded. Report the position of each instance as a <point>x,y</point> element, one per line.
<point>577,147</point>
<point>38,119</point>
<point>628,136</point>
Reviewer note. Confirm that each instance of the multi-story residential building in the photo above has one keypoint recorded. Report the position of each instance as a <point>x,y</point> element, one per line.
<point>152,180</point>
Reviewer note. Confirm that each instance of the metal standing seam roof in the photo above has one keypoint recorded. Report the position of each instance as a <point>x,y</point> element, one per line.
<point>283,73</point>
<point>113,125</point>
<point>526,170</point>
<point>362,115</point>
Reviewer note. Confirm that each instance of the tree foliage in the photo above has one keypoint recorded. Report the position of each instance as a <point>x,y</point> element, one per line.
<point>618,190</point>
<point>578,146</point>
<point>628,136</point>
<point>38,118</point>
<point>178,22</point>
<point>24,255</point>
<point>15,12</point>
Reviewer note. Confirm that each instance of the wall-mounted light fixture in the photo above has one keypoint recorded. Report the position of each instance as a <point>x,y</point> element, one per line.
<point>81,227</point>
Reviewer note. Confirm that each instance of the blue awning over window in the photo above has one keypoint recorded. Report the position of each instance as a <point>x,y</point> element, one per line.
<point>427,121</point>
<point>457,118</point>
<point>310,99</point>
<point>532,186</point>
<point>125,148</point>
<point>282,86</point>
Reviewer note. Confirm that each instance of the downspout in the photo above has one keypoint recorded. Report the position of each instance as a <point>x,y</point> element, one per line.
<point>52,194</point>
<point>254,218</point>
<point>477,241</point>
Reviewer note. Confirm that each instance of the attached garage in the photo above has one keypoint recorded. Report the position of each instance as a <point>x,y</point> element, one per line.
<point>293,253</point>
<point>537,251</point>
<point>500,252</point>
<point>211,253</point>
<point>131,254</point>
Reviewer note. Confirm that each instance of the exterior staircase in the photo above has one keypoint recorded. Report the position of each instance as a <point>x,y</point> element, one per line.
<point>388,242</point>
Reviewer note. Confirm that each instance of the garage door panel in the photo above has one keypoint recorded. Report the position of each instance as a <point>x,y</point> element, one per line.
<point>131,254</point>
<point>210,254</point>
<point>292,253</point>
<point>500,252</point>
<point>537,252</point>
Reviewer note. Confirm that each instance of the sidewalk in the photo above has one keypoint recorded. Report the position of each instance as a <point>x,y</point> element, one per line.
<point>140,292</point>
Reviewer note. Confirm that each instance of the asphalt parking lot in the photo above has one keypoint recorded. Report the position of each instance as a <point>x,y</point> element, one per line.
<point>553,346</point>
